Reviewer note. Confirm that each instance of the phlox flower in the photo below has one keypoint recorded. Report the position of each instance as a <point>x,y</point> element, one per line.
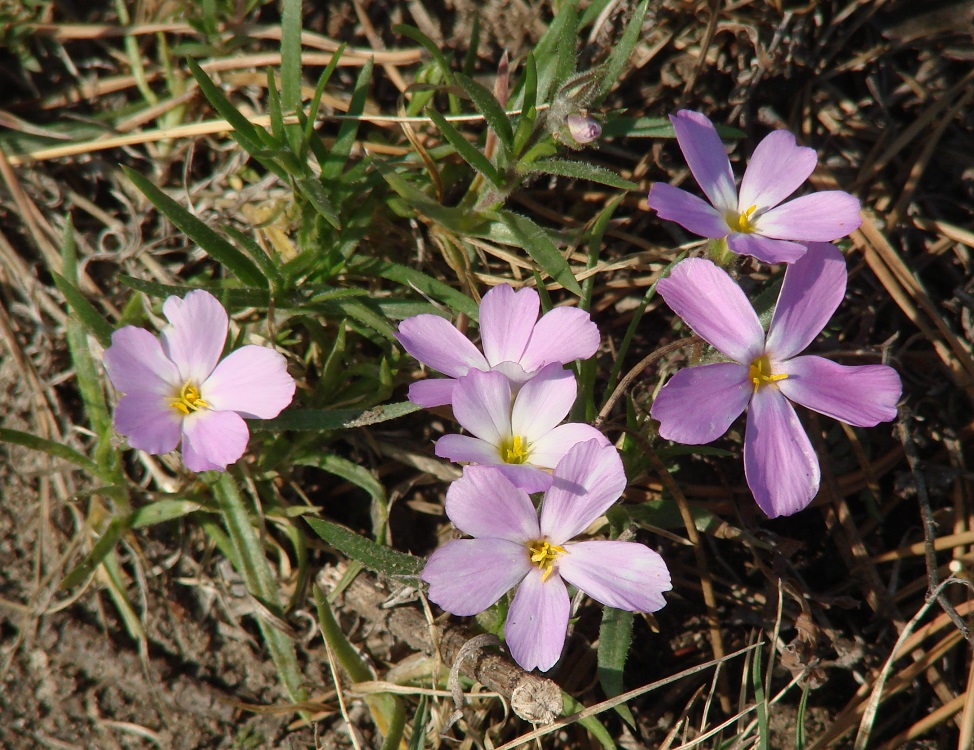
<point>512,547</point>
<point>177,388</point>
<point>752,221</point>
<point>524,438</point>
<point>515,342</point>
<point>766,374</point>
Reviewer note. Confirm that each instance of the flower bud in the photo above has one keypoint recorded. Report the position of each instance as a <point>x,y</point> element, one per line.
<point>583,128</point>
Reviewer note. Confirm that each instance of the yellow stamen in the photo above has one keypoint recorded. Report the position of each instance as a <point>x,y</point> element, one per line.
<point>760,373</point>
<point>514,450</point>
<point>741,222</point>
<point>543,554</point>
<point>188,400</point>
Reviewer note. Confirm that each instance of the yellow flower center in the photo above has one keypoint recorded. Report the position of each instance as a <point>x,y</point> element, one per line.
<point>543,554</point>
<point>741,222</point>
<point>188,400</point>
<point>514,450</point>
<point>760,373</point>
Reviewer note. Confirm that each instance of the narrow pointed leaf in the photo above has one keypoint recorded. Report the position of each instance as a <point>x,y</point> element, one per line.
<point>536,242</point>
<point>372,555</point>
<point>582,171</point>
<point>467,151</point>
<point>489,107</point>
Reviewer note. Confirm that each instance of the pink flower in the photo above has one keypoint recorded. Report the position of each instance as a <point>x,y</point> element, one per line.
<point>698,404</point>
<point>753,221</point>
<point>512,548</point>
<point>515,342</point>
<point>176,387</point>
<point>522,438</point>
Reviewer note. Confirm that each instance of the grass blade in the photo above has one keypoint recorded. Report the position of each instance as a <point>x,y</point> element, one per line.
<point>536,242</point>
<point>467,151</point>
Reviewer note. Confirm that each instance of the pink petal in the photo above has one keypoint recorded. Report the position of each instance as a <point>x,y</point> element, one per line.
<point>777,169</point>
<point>148,422</point>
<point>586,482</point>
<point>468,575</point>
<point>690,212</point>
<point>812,290</point>
<point>543,402</point>
<point>862,396</point>
<point>213,439</point>
<point>819,217</point>
<point>562,335</point>
<point>550,449</point>
<point>482,405</point>
<point>537,621</point>
<point>527,477</point>
<point>437,344</point>
<point>698,404</point>
<point>779,462</point>
<point>714,306</point>
<point>625,575</point>
<point>506,321</point>
<point>432,392</point>
<point>459,448</point>
<point>136,363</point>
<point>252,381</point>
<point>484,503</point>
<point>515,373</point>
<point>195,335</point>
<point>765,249</point>
<point>706,158</point>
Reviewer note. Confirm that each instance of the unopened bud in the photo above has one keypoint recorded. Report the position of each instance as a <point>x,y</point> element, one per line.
<point>583,129</point>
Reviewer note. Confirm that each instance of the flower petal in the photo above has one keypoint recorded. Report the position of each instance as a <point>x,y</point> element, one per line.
<point>714,306</point>
<point>507,319</point>
<point>862,396</point>
<point>625,575</point>
<point>468,575</point>
<point>136,363</point>
<point>196,333</point>
<point>213,439</point>
<point>586,482</point>
<point>698,404</point>
<point>777,169</point>
<point>550,449</point>
<point>779,462</point>
<point>526,477</point>
<point>543,402</point>
<point>459,448</point>
<point>765,249</point>
<point>437,344</point>
<point>705,155</point>
<point>812,290</point>
<point>252,381</point>
<point>690,212</point>
<point>484,503</point>
<point>482,405</point>
<point>432,392</point>
<point>538,621</point>
<point>819,217</point>
<point>148,422</point>
<point>562,335</point>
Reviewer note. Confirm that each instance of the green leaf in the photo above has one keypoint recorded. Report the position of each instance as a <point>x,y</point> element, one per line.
<point>235,298</point>
<point>105,544</point>
<point>217,247</point>
<point>291,55</point>
<point>489,107</point>
<point>621,52</point>
<point>536,242</point>
<point>591,723</point>
<point>49,447</point>
<point>162,511</point>
<point>430,46</point>
<point>257,254</point>
<point>314,192</point>
<point>348,131</point>
<point>360,477</point>
<point>467,151</point>
<point>93,320</point>
<point>322,420</point>
<point>309,126</point>
<point>638,127</point>
<point>257,573</point>
<point>421,282</point>
<point>455,219</point>
<point>582,171</point>
<point>555,51</point>
<point>372,555</point>
<point>615,637</point>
